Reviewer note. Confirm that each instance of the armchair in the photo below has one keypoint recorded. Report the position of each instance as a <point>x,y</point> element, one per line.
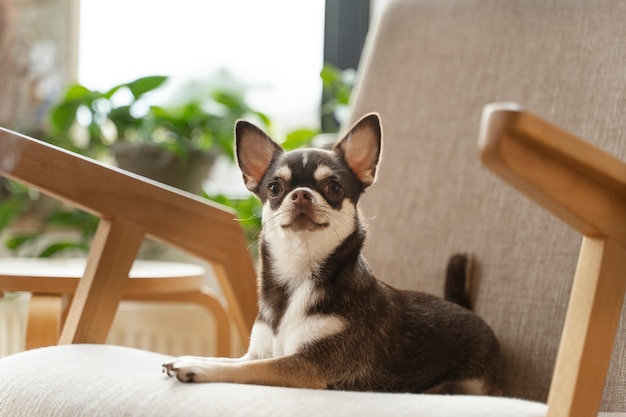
<point>81,376</point>
<point>429,68</point>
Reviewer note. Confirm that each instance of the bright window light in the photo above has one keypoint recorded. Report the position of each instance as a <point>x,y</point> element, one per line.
<point>274,46</point>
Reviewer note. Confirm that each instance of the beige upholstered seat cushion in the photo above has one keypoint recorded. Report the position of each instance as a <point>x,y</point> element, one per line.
<point>429,70</point>
<point>97,380</point>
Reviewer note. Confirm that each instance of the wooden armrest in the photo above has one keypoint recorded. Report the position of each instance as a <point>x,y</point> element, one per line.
<point>586,188</point>
<point>130,207</point>
<point>579,183</point>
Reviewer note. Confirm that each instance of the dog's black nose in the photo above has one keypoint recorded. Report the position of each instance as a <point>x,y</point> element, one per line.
<point>301,197</point>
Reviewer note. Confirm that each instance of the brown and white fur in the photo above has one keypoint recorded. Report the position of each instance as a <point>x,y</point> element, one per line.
<point>324,320</point>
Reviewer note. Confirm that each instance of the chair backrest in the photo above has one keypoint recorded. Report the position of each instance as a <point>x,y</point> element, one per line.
<point>429,68</point>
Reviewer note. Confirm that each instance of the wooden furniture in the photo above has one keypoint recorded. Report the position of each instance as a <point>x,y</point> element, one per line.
<point>53,282</point>
<point>586,188</point>
<point>130,208</point>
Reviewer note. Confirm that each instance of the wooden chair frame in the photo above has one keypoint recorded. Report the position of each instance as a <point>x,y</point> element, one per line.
<point>586,188</point>
<point>131,207</point>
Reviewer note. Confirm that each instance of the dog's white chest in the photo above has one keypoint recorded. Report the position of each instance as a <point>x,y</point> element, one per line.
<point>297,328</point>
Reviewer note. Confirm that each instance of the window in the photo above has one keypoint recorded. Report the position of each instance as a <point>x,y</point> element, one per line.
<point>274,46</point>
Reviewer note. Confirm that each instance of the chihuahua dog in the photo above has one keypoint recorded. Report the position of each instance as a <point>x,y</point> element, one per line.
<point>324,320</point>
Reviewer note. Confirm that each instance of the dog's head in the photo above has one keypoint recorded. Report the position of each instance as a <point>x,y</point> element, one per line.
<point>310,194</point>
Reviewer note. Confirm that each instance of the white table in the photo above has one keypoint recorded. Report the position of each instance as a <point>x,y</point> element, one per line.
<point>53,282</point>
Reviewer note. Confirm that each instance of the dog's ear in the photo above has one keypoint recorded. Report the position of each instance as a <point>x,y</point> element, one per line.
<point>361,148</point>
<point>255,151</point>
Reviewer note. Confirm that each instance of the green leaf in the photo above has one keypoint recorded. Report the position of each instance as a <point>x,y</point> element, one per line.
<point>124,120</point>
<point>204,140</point>
<point>264,118</point>
<point>58,247</point>
<point>77,219</point>
<point>14,243</point>
<point>145,84</point>
<point>330,75</point>
<point>342,95</point>
<point>62,116</point>
<point>248,213</point>
<point>78,92</point>
<point>235,102</point>
<point>62,218</point>
<point>10,209</point>
<point>299,138</point>
<point>112,91</point>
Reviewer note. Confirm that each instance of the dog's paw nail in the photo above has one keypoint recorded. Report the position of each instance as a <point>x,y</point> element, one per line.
<point>168,369</point>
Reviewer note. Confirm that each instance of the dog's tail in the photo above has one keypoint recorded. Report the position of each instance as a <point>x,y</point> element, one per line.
<point>458,276</point>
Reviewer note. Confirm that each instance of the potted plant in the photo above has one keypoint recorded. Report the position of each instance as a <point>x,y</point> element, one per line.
<point>174,144</point>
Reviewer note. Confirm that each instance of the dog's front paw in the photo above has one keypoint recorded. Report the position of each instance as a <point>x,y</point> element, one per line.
<point>182,369</point>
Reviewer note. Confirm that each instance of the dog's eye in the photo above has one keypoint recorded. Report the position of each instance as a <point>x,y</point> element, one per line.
<point>274,189</point>
<point>334,189</point>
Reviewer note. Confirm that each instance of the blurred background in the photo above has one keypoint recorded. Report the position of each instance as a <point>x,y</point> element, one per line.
<point>94,77</point>
<point>154,87</point>
<point>275,48</point>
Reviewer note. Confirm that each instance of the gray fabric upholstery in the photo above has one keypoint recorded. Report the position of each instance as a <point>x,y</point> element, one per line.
<point>429,71</point>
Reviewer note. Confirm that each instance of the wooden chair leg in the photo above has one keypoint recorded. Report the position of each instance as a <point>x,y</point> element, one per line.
<point>589,331</point>
<point>97,296</point>
<point>235,304</point>
<point>44,321</point>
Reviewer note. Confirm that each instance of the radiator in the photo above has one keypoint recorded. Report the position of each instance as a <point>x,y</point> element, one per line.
<point>172,329</point>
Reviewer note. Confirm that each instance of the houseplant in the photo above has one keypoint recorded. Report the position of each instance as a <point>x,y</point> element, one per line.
<point>175,144</point>
<point>94,123</point>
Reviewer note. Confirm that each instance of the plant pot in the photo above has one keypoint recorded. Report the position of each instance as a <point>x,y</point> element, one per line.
<point>162,165</point>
